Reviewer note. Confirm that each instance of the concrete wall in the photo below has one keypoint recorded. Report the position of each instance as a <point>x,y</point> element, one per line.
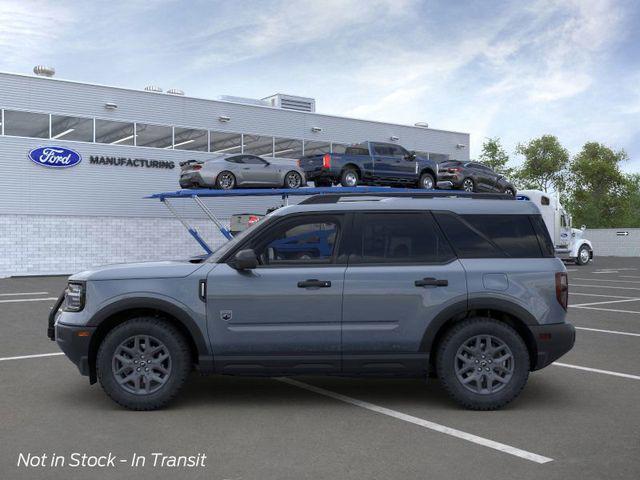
<point>608,242</point>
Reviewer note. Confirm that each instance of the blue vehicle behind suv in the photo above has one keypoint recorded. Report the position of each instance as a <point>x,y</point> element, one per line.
<point>465,289</point>
<point>371,163</point>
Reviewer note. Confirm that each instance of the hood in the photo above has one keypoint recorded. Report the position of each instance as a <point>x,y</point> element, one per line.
<point>577,233</point>
<point>128,271</point>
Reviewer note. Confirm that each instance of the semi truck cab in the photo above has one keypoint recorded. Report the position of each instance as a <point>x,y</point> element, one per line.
<point>568,241</point>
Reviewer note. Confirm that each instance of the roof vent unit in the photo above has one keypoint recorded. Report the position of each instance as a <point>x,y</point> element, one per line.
<point>175,91</point>
<point>291,102</point>
<point>153,88</point>
<point>43,71</point>
<point>244,100</point>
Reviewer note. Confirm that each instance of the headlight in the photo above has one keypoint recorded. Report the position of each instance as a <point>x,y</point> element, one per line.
<point>74,297</point>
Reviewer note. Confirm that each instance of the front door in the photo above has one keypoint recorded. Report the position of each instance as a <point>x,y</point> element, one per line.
<point>258,171</point>
<point>401,274</point>
<point>283,316</point>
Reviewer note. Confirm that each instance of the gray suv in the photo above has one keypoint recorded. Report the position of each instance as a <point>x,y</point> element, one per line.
<point>465,289</point>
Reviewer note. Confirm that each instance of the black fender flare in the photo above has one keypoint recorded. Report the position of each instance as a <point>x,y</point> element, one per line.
<point>153,303</point>
<point>462,308</point>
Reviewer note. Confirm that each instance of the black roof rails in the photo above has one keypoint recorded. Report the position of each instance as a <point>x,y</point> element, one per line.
<point>336,197</point>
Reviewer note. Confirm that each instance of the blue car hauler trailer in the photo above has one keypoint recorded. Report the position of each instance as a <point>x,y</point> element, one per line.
<point>323,195</point>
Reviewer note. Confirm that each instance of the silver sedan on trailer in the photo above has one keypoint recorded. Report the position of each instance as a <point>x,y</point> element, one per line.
<point>241,170</point>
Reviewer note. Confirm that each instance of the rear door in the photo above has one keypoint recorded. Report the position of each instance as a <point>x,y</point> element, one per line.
<point>401,274</point>
<point>383,160</point>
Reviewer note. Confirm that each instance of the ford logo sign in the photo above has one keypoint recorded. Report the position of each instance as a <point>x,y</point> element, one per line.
<point>56,157</point>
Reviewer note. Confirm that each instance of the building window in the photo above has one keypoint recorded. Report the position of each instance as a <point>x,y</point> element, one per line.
<point>71,128</point>
<point>190,139</point>
<point>26,124</point>
<point>115,133</point>
<point>226,142</point>
<point>316,148</point>
<point>258,145</point>
<point>287,148</point>
<point>338,147</point>
<point>157,136</point>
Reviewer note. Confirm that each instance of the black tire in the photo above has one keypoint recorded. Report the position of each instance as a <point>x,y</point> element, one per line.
<point>510,191</point>
<point>292,180</point>
<point>468,185</point>
<point>178,369</point>
<point>448,364</point>
<point>226,180</point>
<point>426,182</point>
<point>348,176</point>
<point>584,255</point>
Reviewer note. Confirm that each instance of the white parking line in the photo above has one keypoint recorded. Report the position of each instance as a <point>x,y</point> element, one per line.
<point>597,370</point>
<point>485,442</point>
<point>605,302</point>
<point>604,286</point>
<point>607,309</point>
<point>609,331</point>
<point>23,293</point>
<point>23,357</point>
<point>596,295</point>
<point>16,300</point>
<point>606,280</point>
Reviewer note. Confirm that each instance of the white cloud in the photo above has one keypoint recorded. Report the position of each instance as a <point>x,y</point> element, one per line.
<point>29,30</point>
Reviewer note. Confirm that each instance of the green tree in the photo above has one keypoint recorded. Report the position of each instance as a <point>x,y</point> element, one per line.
<point>545,164</point>
<point>600,194</point>
<point>495,157</point>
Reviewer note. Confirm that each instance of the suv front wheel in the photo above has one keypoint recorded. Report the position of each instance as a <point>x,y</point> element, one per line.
<point>143,363</point>
<point>482,363</point>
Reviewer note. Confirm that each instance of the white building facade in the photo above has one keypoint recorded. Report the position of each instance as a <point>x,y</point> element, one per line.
<point>129,144</point>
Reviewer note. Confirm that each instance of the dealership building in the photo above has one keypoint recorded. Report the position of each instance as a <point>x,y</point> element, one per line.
<point>128,144</point>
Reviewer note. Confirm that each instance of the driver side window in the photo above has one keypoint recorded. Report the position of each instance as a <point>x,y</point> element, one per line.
<point>303,242</point>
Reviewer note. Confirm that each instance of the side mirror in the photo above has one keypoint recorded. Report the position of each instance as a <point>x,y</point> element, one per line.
<point>411,156</point>
<point>244,260</point>
<point>583,228</point>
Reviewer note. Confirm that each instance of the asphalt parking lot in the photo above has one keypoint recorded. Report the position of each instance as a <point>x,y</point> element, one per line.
<point>579,418</point>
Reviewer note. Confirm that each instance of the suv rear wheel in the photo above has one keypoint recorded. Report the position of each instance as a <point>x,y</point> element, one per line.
<point>482,363</point>
<point>468,185</point>
<point>143,363</point>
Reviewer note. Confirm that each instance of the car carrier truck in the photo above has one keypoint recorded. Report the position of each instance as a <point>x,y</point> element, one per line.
<point>568,241</point>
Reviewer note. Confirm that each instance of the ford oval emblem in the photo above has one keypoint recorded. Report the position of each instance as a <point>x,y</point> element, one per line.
<point>55,157</point>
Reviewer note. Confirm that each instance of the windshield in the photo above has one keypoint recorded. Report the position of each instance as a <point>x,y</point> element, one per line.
<point>223,249</point>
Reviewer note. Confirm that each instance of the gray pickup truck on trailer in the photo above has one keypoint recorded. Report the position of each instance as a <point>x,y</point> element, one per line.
<point>467,289</point>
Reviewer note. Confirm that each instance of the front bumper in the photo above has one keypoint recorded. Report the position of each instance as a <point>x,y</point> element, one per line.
<point>74,341</point>
<point>552,342</point>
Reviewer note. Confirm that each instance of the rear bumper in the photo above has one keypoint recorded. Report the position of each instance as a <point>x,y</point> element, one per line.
<point>192,180</point>
<point>552,342</point>
<point>74,346</point>
<point>456,181</point>
<point>319,173</point>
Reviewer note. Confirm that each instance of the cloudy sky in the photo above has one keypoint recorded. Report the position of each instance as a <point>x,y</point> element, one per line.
<point>510,69</point>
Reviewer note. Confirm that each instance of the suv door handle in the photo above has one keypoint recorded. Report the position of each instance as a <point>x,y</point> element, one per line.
<point>313,283</point>
<point>431,282</point>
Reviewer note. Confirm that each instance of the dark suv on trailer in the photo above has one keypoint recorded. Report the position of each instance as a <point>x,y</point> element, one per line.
<point>474,177</point>
<point>466,289</point>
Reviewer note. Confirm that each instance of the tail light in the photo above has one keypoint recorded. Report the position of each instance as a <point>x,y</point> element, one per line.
<point>298,162</point>
<point>454,170</point>
<point>252,219</point>
<point>562,289</point>
<point>326,161</point>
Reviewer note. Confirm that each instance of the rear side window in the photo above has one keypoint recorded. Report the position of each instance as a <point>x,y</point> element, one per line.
<point>400,238</point>
<point>468,241</point>
<point>544,239</point>
<point>357,151</point>
<point>513,234</point>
